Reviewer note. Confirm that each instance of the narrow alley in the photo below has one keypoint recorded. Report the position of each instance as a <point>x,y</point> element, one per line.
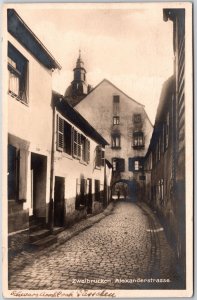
<point>125,250</point>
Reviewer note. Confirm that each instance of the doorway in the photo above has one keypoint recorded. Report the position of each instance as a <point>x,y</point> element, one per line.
<point>89,196</point>
<point>59,206</point>
<point>38,185</point>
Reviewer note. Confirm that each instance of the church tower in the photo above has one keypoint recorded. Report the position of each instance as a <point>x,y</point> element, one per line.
<point>79,87</point>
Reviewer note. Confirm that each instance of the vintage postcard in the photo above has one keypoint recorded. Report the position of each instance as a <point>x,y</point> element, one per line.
<point>97,106</point>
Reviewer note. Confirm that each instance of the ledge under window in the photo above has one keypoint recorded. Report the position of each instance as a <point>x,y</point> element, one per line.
<point>138,147</point>
<point>19,99</point>
<point>83,162</point>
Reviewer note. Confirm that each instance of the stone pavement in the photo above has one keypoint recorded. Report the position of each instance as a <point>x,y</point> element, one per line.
<point>125,249</point>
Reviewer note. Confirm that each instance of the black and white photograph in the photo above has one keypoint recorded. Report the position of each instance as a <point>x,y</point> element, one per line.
<point>98,160</point>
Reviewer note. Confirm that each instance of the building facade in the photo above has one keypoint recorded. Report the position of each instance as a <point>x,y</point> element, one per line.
<point>29,113</point>
<point>81,178</point>
<point>57,172</point>
<point>124,123</point>
<point>165,159</point>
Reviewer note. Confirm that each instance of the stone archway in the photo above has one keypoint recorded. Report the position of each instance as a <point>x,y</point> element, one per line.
<point>124,189</point>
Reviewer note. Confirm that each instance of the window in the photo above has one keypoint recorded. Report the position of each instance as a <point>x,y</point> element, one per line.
<point>67,138</point>
<point>136,164</point>
<point>116,141</point>
<point>98,156</point>
<point>167,130</point>
<point>162,138</point>
<point>64,136</point>
<point>13,170</point>
<point>103,158</point>
<point>118,164</point>
<point>116,120</point>
<point>149,162</point>
<point>85,149</point>
<point>114,164</point>
<point>160,191</point>
<point>60,133</point>
<point>17,67</point>
<point>116,105</point>
<point>76,144</point>
<point>70,141</point>
<point>159,149</point>
<point>138,140</point>
<point>137,118</point>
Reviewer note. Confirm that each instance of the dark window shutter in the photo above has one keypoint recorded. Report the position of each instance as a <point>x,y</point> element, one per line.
<point>78,144</point>
<point>103,158</point>
<point>141,162</point>
<point>67,138</point>
<point>121,165</point>
<point>98,156</point>
<point>87,151</point>
<point>131,164</point>
<point>75,150</point>
<point>60,133</point>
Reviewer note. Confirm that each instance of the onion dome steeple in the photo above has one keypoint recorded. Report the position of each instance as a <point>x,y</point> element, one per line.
<point>79,87</point>
<point>80,63</point>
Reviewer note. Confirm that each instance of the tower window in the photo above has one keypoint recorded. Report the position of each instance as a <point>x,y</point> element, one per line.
<point>116,120</point>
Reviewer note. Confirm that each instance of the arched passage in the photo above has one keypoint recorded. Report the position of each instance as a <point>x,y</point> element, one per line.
<point>124,189</point>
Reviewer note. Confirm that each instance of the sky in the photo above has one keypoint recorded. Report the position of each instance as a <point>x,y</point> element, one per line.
<point>130,47</point>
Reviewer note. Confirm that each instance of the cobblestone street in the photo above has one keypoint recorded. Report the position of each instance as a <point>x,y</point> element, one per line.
<point>128,244</point>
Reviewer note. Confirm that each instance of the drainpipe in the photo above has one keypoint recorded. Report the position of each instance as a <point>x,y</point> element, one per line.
<point>51,202</point>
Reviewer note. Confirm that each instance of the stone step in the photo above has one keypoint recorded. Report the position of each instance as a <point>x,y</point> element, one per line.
<point>44,242</point>
<point>57,230</point>
<point>35,227</point>
<point>38,234</point>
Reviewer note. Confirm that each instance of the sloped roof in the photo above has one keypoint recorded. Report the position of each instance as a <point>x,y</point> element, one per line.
<point>18,28</point>
<point>167,89</point>
<point>109,82</point>
<point>76,118</point>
